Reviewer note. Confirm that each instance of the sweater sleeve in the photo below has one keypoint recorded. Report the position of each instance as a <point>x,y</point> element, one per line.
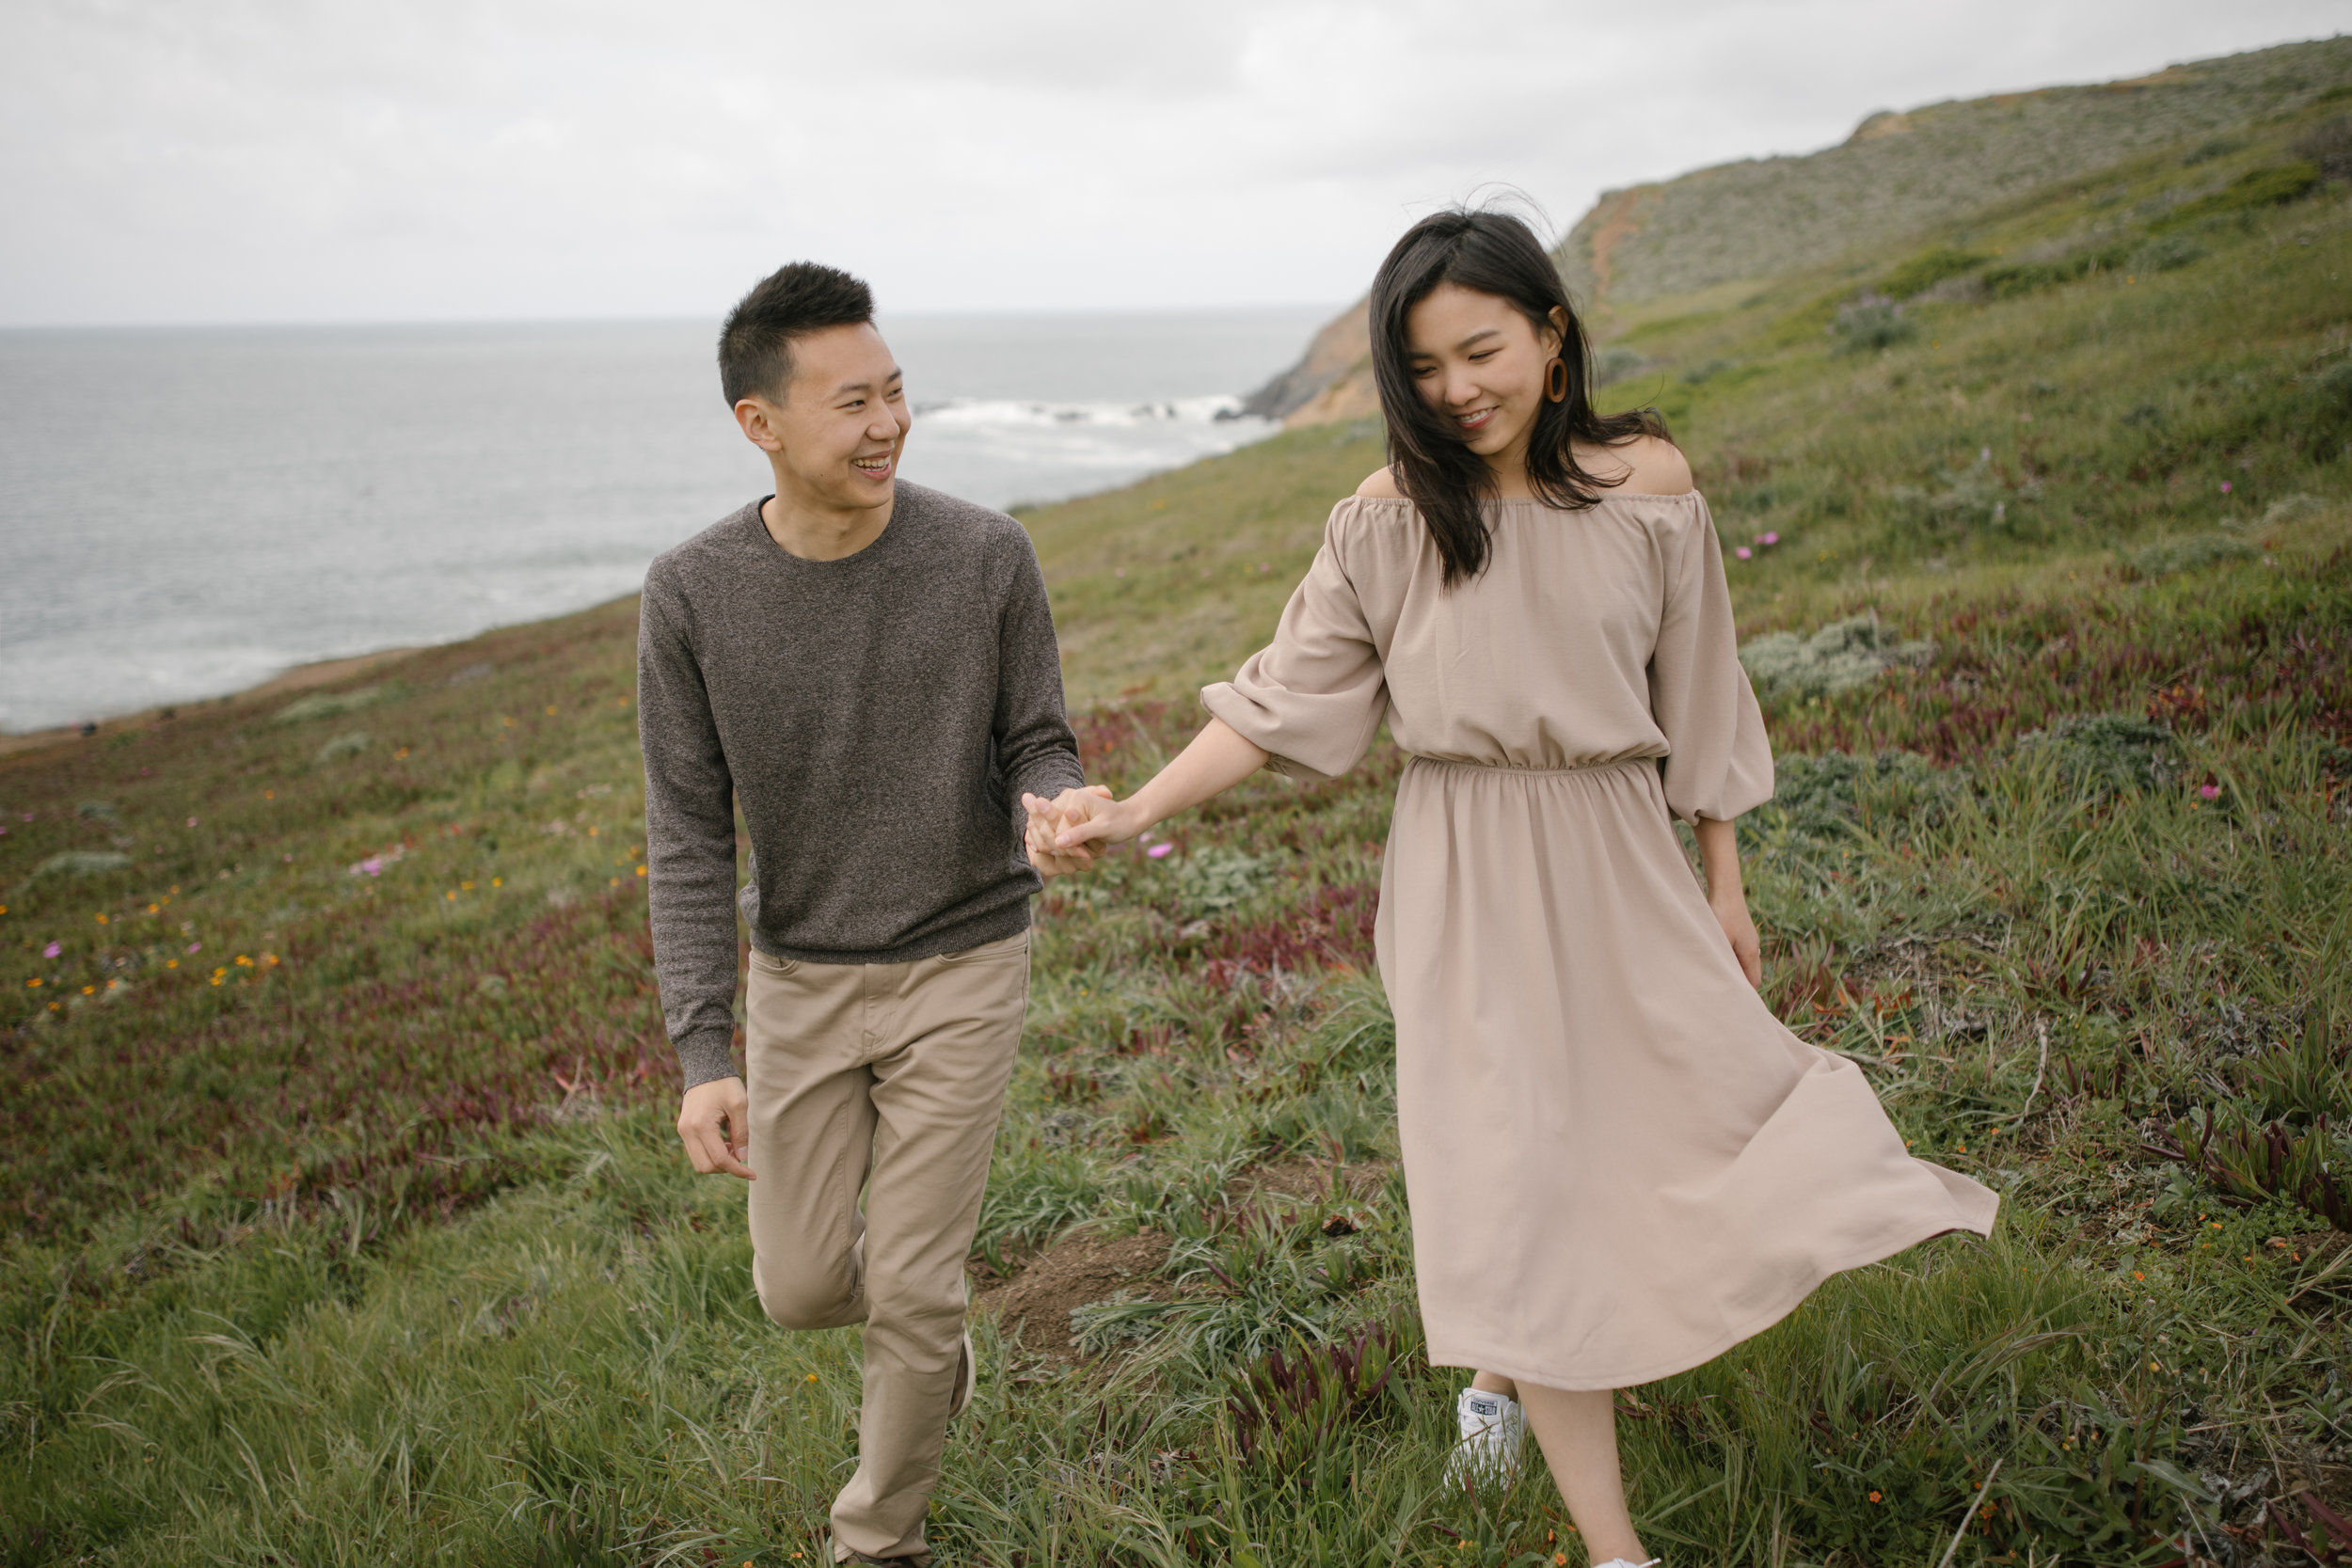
<point>1034,744</point>
<point>1718,762</point>
<point>689,840</point>
<point>1314,697</point>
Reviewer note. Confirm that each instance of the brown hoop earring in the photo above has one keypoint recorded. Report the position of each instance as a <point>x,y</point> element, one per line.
<point>1556,380</point>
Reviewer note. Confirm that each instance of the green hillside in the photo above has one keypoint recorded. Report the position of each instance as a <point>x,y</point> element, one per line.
<point>1704,242</point>
<point>1898,173</point>
<point>2066,377</point>
<point>345,1223</point>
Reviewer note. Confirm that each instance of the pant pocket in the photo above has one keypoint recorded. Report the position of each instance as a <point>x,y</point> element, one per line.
<point>1014,946</point>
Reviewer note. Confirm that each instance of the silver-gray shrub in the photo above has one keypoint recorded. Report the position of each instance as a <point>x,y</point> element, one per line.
<point>1869,324</point>
<point>1839,657</point>
<point>2185,554</point>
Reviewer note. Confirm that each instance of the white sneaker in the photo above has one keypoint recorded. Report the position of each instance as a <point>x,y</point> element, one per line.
<point>1494,1429</point>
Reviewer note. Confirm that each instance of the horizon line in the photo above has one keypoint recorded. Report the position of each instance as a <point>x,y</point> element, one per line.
<point>661,319</point>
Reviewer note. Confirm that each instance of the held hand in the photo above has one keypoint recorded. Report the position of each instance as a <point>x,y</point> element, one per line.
<point>1046,818</point>
<point>715,1123</point>
<point>1093,817</point>
<point>1740,929</point>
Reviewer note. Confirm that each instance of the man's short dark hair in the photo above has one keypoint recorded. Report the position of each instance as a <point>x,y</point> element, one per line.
<point>801,297</point>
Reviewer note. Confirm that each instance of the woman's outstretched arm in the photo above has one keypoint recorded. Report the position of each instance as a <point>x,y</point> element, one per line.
<point>1217,759</point>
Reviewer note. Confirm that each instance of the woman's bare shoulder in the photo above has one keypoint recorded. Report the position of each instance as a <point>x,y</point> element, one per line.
<point>1381,485</point>
<point>1643,465</point>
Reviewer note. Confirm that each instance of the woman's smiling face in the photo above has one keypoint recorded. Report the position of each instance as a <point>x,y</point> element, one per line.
<point>1480,364</point>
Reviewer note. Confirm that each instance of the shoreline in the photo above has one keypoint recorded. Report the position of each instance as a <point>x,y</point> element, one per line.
<point>302,677</point>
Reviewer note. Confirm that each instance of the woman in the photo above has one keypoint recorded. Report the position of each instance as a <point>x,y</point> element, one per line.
<point>1619,1163</point>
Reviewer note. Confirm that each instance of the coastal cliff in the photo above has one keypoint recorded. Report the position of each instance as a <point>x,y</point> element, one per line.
<point>1324,376</point>
<point>1643,250</point>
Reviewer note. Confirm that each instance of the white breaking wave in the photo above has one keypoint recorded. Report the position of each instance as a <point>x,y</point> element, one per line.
<point>1004,450</point>
<point>1214,409</point>
<point>254,527</point>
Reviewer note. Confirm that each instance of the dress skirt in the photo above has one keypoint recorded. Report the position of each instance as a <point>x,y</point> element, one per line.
<point>1620,1164</point>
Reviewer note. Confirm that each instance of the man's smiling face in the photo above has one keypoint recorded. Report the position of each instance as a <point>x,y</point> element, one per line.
<point>841,422</point>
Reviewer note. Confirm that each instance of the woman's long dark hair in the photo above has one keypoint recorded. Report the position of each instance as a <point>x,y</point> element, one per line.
<point>1491,253</point>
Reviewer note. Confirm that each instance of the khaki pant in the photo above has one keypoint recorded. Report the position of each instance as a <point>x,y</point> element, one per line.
<point>888,1078</point>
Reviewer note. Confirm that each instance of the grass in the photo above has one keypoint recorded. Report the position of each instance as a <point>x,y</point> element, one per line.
<point>377,1246</point>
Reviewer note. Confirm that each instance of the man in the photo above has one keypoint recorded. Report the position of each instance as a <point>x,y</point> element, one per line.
<point>868,668</point>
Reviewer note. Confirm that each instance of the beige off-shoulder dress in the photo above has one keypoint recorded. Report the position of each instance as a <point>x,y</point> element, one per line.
<point>1619,1163</point>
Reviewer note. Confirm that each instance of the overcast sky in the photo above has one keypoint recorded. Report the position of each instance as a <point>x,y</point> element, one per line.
<point>273,160</point>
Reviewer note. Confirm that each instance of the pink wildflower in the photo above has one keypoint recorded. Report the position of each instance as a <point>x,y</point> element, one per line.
<point>2211,792</point>
<point>2225,486</point>
<point>53,950</point>
<point>1159,851</point>
<point>1743,552</point>
<point>373,866</point>
<point>196,947</point>
<point>1772,539</point>
<point>191,821</point>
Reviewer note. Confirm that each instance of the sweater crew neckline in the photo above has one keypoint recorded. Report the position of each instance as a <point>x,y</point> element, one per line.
<point>755,520</point>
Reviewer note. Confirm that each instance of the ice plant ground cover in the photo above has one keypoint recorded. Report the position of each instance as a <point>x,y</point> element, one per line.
<point>344,1223</point>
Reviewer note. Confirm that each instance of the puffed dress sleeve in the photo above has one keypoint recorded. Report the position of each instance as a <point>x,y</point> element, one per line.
<point>1314,697</point>
<point>1719,763</point>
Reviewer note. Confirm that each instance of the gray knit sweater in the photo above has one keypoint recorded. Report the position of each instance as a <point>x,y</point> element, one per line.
<point>877,719</point>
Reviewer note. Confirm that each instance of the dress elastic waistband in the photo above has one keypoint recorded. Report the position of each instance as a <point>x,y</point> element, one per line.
<point>1613,765</point>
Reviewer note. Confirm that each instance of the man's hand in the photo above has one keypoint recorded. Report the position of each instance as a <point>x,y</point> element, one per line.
<point>1047,818</point>
<point>714,1122</point>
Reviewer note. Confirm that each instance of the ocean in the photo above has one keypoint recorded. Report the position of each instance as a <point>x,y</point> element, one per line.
<point>184,513</point>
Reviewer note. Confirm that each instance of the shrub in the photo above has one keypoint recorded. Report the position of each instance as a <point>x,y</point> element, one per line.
<point>1964,498</point>
<point>1614,363</point>
<point>1821,798</point>
<point>1214,879</point>
<point>2272,186</point>
<point>2207,151</point>
<point>1839,657</point>
<point>2334,384</point>
<point>1869,324</point>
<point>2291,509</point>
<point>2026,277</point>
<point>327,705</point>
<point>80,862</point>
<point>2165,253</point>
<point>2111,753</point>
<point>342,746</point>
<point>2186,554</point>
<point>2327,147</point>
<point>1929,268</point>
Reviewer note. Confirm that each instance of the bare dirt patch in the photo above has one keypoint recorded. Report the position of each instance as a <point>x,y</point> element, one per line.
<point>1034,1305</point>
<point>1310,1180</point>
